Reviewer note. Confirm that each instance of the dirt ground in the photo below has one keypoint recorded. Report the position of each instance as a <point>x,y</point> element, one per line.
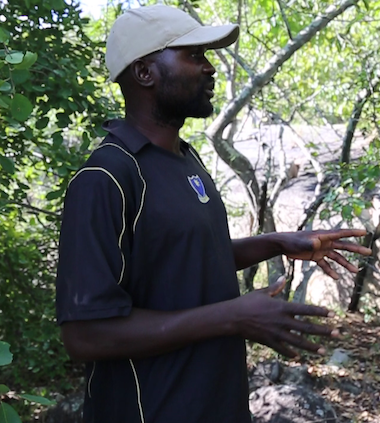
<point>354,388</point>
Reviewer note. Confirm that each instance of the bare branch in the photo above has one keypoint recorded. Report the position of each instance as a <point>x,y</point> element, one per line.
<point>285,19</point>
<point>36,210</point>
<point>312,209</point>
<point>361,100</point>
<point>254,85</point>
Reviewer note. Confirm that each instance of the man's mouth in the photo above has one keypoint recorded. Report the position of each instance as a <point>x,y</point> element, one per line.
<point>209,92</point>
<point>210,89</point>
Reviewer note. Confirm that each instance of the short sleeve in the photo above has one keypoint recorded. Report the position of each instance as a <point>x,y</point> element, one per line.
<point>93,249</point>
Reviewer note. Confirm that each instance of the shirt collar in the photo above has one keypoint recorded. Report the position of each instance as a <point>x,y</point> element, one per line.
<point>129,135</point>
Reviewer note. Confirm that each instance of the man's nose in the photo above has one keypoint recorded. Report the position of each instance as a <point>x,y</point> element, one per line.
<point>208,67</point>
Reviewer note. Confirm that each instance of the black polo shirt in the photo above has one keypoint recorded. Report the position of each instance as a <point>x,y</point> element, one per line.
<point>144,227</point>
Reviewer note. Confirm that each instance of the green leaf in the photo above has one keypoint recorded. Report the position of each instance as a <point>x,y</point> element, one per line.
<point>63,120</point>
<point>37,399</point>
<point>4,104</point>
<point>42,123</point>
<point>324,214</point>
<point>62,171</point>
<point>5,355</point>
<point>5,86</point>
<point>4,389</point>
<point>28,134</point>
<point>14,58</point>
<point>20,76</point>
<point>4,35</point>
<point>357,209</point>
<point>347,212</point>
<point>39,88</point>
<point>57,140</point>
<point>21,107</point>
<point>23,186</point>
<point>7,164</point>
<point>73,106</point>
<point>57,4</point>
<point>60,73</point>
<point>366,4</point>
<point>53,195</point>
<point>28,60</point>
<point>8,414</point>
<point>86,142</point>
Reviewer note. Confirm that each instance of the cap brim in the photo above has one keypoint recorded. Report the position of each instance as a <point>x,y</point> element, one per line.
<point>212,36</point>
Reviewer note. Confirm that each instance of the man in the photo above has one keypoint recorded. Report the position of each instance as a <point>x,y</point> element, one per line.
<point>147,293</point>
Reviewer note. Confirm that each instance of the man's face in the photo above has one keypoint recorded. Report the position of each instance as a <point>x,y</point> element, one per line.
<point>185,85</point>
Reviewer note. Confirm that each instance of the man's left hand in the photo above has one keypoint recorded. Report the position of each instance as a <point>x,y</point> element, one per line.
<point>319,245</point>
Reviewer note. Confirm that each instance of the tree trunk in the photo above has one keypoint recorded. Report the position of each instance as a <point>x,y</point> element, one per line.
<point>361,99</point>
<point>275,265</point>
<point>369,242</point>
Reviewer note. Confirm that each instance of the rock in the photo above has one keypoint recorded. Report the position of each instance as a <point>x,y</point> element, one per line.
<point>271,372</point>
<point>297,375</point>
<point>265,373</point>
<point>351,388</point>
<point>69,410</point>
<point>340,356</point>
<point>289,404</point>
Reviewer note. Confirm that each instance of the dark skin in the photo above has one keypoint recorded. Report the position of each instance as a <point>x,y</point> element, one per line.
<point>158,109</point>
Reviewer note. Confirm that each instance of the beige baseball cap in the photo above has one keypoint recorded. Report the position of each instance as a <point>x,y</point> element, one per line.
<point>147,29</point>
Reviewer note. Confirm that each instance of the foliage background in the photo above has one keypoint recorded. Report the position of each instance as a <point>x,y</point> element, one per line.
<point>54,96</point>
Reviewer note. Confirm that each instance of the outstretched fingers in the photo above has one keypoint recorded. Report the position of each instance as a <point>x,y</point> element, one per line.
<point>275,288</point>
<point>336,234</point>
<point>282,348</point>
<point>293,330</point>
<point>306,327</point>
<point>289,341</point>
<point>297,309</point>
<point>302,343</point>
<point>351,247</point>
<point>327,269</point>
<point>338,258</point>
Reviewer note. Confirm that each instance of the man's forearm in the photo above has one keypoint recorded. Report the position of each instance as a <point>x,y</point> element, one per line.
<point>255,316</point>
<point>253,250</point>
<point>146,332</point>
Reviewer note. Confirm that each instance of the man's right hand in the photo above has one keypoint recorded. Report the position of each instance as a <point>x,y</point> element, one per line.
<point>144,333</point>
<point>261,318</point>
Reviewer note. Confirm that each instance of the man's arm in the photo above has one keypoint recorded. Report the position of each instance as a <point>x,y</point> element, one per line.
<point>304,245</point>
<point>255,316</point>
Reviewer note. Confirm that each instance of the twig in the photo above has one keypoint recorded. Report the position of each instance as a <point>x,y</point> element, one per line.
<point>285,19</point>
<point>36,210</point>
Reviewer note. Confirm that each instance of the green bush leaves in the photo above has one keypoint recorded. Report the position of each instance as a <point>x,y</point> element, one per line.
<point>29,59</point>
<point>5,355</point>
<point>21,107</point>
<point>7,164</point>
<point>37,399</point>
<point>8,414</point>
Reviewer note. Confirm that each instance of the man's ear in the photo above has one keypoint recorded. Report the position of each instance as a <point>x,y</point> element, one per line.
<point>142,72</point>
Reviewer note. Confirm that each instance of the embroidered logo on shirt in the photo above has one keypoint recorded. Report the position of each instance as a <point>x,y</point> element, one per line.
<point>196,183</point>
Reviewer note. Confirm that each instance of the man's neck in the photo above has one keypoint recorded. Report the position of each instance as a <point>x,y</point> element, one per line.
<point>164,135</point>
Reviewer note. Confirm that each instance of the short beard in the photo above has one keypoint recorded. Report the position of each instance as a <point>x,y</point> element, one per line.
<point>171,109</point>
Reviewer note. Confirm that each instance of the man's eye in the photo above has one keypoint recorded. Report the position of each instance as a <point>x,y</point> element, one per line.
<point>197,55</point>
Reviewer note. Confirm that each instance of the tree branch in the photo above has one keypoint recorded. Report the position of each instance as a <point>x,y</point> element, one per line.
<point>285,19</point>
<point>36,210</point>
<point>361,100</point>
<point>254,85</point>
